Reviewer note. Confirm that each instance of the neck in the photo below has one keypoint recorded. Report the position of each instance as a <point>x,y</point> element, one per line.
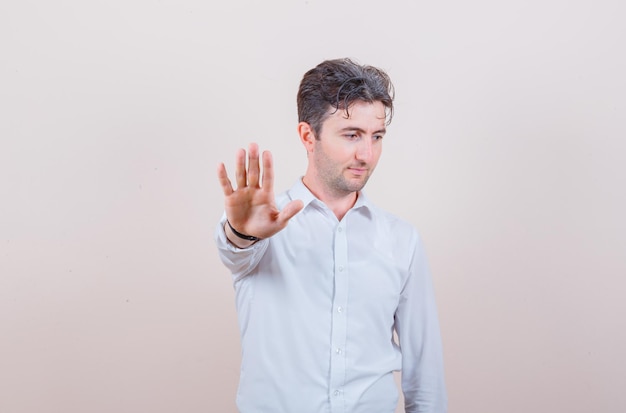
<point>340,204</point>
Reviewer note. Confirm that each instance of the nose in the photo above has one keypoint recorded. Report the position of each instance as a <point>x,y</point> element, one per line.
<point>364,150</point>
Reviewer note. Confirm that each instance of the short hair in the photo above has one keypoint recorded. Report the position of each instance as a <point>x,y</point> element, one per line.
<point>337,84</point>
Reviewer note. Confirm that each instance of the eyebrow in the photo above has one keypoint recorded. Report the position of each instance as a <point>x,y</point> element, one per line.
<point>350,128</point>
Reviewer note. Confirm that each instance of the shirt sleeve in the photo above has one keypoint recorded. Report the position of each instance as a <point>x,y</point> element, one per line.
<point>240,261</point>
<point>419,336</point>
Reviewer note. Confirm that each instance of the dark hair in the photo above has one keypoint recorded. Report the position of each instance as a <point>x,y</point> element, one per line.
<point>338,83</point>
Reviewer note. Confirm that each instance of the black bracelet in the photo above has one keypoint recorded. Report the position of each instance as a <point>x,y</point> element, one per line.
<point>242,236</point>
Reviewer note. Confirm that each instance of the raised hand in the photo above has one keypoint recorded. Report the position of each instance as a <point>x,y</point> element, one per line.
<point>251,208</point>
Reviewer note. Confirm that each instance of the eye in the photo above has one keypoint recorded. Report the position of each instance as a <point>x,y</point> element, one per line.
<point>378,137</point>
<point>351,136</point>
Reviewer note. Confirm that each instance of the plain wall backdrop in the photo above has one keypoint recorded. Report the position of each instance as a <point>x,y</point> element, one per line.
<point>507,152</point>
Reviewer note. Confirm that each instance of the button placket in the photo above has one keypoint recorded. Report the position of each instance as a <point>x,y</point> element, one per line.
<point>339,321</point>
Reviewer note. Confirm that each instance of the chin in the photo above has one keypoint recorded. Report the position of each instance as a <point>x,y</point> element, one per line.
<point>357,186</point>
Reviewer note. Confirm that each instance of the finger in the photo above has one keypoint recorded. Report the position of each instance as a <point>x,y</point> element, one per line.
<point>253,165</point>
<point>290,210</point>
<point>222,177</point>
<point>240,168</point>
<point>268,172</point>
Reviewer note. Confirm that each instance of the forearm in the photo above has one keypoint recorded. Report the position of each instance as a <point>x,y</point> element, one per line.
<point>239,260</point>
<point>423,378</point>
<point>423,385</point>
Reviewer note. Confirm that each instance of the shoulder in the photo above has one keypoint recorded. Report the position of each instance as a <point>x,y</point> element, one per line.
<point>398,228</point>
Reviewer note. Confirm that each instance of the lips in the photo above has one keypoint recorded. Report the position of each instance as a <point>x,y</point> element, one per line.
<point>358,171</point>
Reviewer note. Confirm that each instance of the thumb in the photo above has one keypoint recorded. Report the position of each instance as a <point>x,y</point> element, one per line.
<point>290,210</point>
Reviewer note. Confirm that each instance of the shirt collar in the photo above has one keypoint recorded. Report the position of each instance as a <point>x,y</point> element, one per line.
<point>300,191</point>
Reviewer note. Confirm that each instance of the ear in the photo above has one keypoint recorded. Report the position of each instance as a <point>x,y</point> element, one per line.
<point>307,137</point>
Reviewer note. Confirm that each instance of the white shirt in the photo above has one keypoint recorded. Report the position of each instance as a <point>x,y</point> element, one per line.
<point>318,304</point>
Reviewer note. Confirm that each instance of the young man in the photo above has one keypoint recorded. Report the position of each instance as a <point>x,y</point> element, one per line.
<point>322,277</point>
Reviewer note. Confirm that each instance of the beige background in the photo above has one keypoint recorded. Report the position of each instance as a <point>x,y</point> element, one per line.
<point>507,152</point>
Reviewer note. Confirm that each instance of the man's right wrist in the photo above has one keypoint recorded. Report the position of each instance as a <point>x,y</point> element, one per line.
<point>240,235</point>
<point>236,240</point>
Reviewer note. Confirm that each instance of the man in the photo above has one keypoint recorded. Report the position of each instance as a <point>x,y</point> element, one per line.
<point>323,277</point>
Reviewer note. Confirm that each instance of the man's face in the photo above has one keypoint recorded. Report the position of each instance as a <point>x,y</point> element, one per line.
<point>348,148</point>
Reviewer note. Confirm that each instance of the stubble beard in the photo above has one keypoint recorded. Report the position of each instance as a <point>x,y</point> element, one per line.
<point>339,185</point>
<point>333,176</point>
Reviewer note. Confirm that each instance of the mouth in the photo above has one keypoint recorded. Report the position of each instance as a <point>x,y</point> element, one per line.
<point>358,171</point>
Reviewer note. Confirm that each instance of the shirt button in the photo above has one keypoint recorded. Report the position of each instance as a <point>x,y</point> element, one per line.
<point>339,229</point>
<point>340,268</point>
<point>337,393</point>
<point>338,351</point>
<point>339,309</point>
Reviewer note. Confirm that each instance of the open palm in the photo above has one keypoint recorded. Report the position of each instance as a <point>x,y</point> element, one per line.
<point>251,208</point>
